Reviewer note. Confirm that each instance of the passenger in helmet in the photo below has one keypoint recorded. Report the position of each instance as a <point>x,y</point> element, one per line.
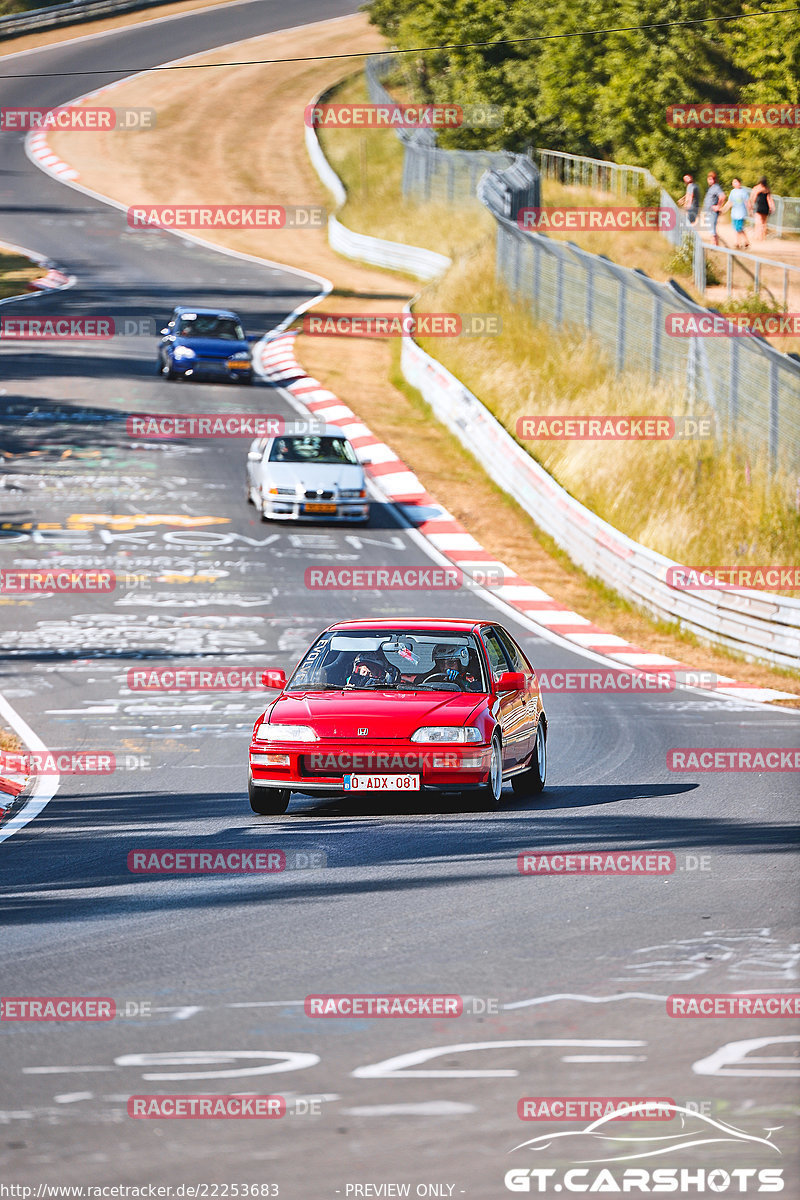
<point>450,666</point>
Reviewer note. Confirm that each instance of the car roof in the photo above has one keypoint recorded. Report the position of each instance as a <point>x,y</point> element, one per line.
<point>205,312</point>
<point>454,624</point>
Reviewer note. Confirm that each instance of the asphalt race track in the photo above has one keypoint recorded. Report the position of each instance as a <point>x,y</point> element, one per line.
<point>565,978</point>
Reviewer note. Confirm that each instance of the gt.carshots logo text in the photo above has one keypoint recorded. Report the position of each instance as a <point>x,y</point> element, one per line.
<point>683,1181</point>
<point>393,1005</point>
<point>715,758</point>
<point>206,1108</point>
<point>27,582</point>
<point>226,216</point>
<point>608,862</point>
<point>57,1008</point>
<point>736,1004</point>
<point>586,217</point>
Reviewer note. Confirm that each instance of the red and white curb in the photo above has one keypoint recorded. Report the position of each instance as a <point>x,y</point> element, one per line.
<point>401,486</point>
<point>40,150</point>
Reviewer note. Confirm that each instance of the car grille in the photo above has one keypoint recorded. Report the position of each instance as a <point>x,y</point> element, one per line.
<point>319,495</point>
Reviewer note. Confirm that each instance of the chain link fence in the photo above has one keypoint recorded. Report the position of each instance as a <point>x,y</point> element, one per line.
<point>753,390</point>
<point>430,173</point>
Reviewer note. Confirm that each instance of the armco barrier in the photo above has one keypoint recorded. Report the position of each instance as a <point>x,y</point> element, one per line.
<point>67,14</point>
<point>395,256</point>
<point>758,624</point>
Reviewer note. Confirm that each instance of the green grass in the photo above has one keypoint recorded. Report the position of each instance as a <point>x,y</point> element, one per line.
<point>16,271</point>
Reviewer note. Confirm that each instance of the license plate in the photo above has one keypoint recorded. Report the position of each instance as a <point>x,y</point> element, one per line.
<point>323,508</point>
<point>381,783</point>
<point>242,366</point>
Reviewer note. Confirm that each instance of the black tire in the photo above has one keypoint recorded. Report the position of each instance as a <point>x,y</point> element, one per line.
<point>488,796</point>
<point>267,802</point>
<point>532,781</point>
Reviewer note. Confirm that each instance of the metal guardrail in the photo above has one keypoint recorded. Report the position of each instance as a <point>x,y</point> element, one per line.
<point>70,13</point>
<point>394,256</point>
<point>760,625</point>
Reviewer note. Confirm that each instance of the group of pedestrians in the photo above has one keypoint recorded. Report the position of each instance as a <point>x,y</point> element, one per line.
<point>742,202</point>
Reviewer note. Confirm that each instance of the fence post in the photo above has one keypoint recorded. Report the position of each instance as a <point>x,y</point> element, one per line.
<point>655,339</point>
<point>621,324</point>
<point>733,386</point>
<point>559,313</point>
<point>773,435</point>
<point>699,264</point>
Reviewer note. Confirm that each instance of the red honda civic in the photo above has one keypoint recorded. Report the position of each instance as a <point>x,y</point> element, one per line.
<point>412,705</point>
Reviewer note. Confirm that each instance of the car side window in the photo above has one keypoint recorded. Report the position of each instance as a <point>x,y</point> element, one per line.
<point>494,648</point>
<point>518,660</point>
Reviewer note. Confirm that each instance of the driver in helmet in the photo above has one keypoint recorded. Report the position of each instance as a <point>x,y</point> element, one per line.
<point>450,665</point>
<point>370,669</point>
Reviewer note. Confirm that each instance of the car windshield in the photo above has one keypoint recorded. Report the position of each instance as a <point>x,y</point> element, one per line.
<point>312,449</point>
<point>401,661</point>
<point>202,326</point>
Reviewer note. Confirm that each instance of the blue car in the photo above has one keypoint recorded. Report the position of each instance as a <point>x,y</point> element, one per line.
<point>205,343</point>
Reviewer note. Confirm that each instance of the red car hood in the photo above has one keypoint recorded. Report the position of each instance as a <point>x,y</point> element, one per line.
<point>386,715</point>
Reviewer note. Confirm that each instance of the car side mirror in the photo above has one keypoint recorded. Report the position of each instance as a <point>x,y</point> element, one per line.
<point>274,679</point>
<point>510,681</point>
<point>254,456</point>
<point>365,462</point>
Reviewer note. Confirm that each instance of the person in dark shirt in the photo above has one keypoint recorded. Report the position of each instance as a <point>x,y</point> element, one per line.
<point>690,200</point>
<point>713,202</point>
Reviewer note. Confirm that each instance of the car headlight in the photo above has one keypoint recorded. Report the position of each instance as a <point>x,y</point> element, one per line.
<point>353,493</point>
<point>285,733</point>
<point>281,491</point>
<point>447,733</point>
<point>183,352</point>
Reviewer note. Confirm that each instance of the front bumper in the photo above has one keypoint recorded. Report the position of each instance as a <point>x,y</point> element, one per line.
<point>289,508</point>
<point>321,767</point>
<point>212,370</point>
